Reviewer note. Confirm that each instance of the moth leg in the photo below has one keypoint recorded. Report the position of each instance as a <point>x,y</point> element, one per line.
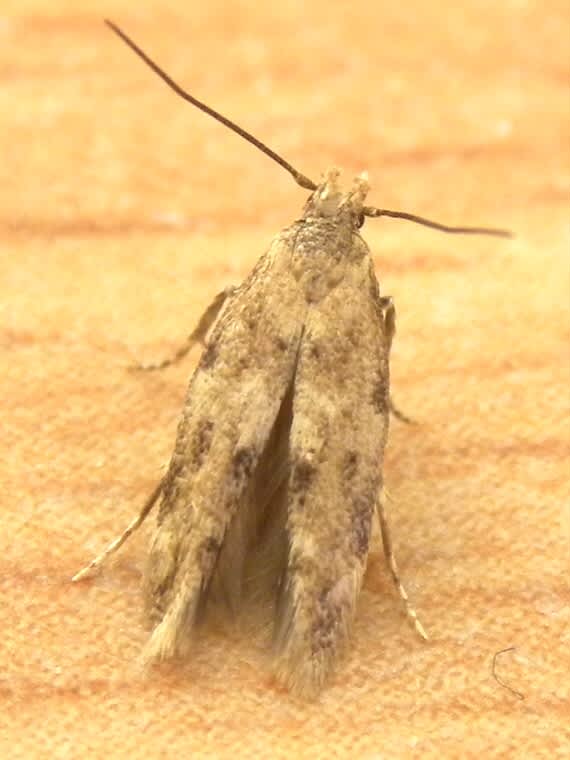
<point>389,317</point>
<point>394,572</point>
<point>120,540</point>
<point>198,335</point>
<point>399,414</point>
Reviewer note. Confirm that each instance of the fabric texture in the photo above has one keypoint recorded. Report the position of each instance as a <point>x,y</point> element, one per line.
<point>124,210</point>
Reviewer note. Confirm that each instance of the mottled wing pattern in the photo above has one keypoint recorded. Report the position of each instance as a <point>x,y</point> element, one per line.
<point>337,438</point>
<point>233,400</point>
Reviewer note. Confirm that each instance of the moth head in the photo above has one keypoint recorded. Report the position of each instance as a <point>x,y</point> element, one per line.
<point>330,201</point>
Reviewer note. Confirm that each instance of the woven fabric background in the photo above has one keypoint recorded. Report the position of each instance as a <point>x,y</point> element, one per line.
<point>123,210</point>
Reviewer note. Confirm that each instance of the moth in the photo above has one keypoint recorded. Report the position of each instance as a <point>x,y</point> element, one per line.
<point>281,439</point>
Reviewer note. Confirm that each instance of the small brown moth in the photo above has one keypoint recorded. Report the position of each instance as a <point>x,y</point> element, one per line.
<point>282,435</point>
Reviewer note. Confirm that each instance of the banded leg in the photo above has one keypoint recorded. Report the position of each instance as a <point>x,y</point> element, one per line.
<point>394,572</point>
<point>198,335</point>
<point>389,315</point>
<point>116,544</point>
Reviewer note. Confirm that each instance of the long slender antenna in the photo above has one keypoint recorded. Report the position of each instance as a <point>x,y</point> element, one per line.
<point>371,211</point>
<point>299,178</point>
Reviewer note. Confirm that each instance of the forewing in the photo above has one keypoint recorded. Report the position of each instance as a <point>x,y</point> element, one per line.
<point>232,403</point>
<point>339,428</point>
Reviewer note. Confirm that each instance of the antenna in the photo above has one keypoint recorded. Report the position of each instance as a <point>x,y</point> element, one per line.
<point>371,211</point>
<point>299,178</point>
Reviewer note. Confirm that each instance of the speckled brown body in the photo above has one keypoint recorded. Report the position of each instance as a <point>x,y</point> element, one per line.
<point>287,413</point>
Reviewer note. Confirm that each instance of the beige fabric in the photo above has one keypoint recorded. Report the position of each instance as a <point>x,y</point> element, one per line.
<point>123,211</point>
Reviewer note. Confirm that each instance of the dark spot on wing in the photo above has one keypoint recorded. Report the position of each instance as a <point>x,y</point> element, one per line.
<point>361,524</point>
<point>313,287</point>
<point>314,350</point>
<point>379,399</point>
<point>207,554</point>
<point>243,464</point>
<point>281,344</point>
<point>350,465</point>
<point>181,467</point>
<point>202,440</point>
<point>250,320</point>
<point>158,594</point>
<point>209,355</point>
<point>327,614</point>
<point>302,475</point>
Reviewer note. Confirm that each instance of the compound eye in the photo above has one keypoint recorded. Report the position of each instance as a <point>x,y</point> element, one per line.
<point>360,220</point>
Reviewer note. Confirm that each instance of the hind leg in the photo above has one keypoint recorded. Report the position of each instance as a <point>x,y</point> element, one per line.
<point>389,317</point>
<point>394,572</point>
<point>116,544</point>
<point>198,335</point>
